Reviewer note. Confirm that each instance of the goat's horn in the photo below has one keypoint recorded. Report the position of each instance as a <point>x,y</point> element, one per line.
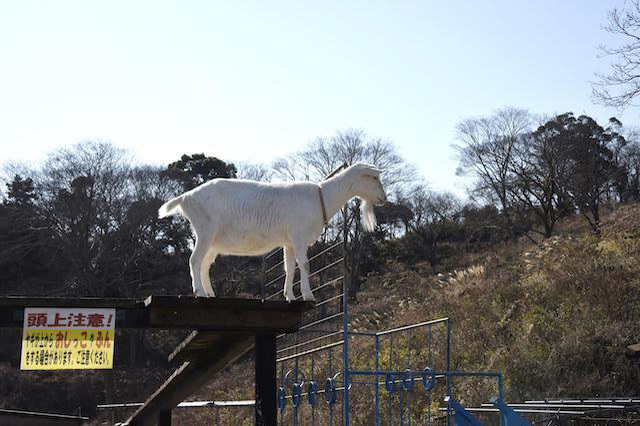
<point>333,173</point>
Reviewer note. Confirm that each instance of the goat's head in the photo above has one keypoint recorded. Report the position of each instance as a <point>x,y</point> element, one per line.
<point>367,186</point>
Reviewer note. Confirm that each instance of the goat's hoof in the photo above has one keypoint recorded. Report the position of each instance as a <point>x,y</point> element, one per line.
<point>308,298</point>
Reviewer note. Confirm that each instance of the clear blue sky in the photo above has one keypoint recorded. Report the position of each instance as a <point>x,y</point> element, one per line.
<point>254,80</point>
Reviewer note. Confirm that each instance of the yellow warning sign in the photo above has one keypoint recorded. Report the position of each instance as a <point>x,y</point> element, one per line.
<point>67,338</point>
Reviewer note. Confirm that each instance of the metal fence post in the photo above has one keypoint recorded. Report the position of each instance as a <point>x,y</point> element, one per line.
<point>345,323</point>
<point>448,370</point>
<point>375,377</point>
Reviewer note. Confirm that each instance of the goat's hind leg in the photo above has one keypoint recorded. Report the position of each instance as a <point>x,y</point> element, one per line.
<point>303,264</point>
<point>196,264</point>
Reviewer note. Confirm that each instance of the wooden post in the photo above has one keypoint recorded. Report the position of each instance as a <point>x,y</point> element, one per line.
<point>227,330</point>
<point>164,418</point>
<point>265,407</point>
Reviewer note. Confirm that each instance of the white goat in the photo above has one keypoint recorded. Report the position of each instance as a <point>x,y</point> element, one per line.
<point>247,218</point>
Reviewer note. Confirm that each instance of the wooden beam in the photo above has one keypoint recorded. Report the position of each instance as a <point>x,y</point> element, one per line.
<point>182,312</point>
<point>69,302</point>
<point>196,346</point>
<point>130,313</point>
<point>188,301</point>
<point>222,314</point>
<point>189,377</point>
<point>164,418</point>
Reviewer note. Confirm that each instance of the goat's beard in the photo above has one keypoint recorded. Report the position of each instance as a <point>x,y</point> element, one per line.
<point>368,217</point>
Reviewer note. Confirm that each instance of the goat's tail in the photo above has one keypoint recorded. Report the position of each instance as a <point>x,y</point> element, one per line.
<point>172,206</point>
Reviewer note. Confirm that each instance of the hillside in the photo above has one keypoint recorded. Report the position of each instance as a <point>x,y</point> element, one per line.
<point>555,318</point>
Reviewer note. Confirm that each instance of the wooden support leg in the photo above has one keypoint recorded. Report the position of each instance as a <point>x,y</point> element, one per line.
<point>265,408</point>
<point>164,418</point>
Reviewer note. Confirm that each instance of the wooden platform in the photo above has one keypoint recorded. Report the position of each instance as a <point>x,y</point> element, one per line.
<point>226,329</point>
<point>173,312</point>
<point>229,329</point>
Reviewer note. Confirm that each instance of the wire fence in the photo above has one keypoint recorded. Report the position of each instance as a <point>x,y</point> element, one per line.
<point>306,359</point>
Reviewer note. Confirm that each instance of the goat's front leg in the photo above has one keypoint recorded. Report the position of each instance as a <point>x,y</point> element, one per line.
<point>303,264</point>
<point>290,271</point>
<point>196,265</point>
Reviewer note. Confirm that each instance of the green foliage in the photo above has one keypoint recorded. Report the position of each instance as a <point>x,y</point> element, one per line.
<point>590,166</point>
<point>20,191</point>
<point>196,169</point>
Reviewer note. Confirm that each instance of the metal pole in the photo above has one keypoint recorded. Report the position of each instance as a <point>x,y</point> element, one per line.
<point>346,281</point>
<point>377,390</point>
<point>345,351</point>
<point>448,370</point>
<point>401,406</point>
<point>389,394</point>
<point>313,407</point>
<point>282,384</point>
<point>430,365</point>
<point>330,374</point>
<point>295,380</point>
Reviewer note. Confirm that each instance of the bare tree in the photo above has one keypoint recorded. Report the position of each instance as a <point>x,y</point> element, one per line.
<point>433,212</point>
<point>486,151</point>
<point>622,84</point>
<point>322,156</point>
<point>150,183</point>
<point>292,167</point>
<point>254,171</point>
<point>630,161</point>
<point>83,194</point>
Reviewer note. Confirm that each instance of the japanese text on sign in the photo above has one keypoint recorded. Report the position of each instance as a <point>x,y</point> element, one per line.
<point>67,338</point>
